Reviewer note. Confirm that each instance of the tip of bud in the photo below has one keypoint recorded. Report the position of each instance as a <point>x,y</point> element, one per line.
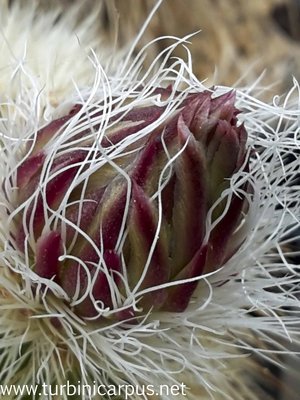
<point>49,248</point>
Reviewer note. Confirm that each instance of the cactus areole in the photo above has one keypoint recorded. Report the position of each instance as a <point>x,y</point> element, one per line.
<point>127,209</point>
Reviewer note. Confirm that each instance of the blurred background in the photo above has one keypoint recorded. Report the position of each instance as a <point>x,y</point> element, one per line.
<point>239,39</point>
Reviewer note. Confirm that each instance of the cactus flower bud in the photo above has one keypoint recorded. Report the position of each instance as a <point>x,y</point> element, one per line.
<point>110,217</point>
<point>146,240</point>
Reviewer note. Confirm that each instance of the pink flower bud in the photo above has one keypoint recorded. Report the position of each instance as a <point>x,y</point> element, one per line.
<point>138,222</point>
